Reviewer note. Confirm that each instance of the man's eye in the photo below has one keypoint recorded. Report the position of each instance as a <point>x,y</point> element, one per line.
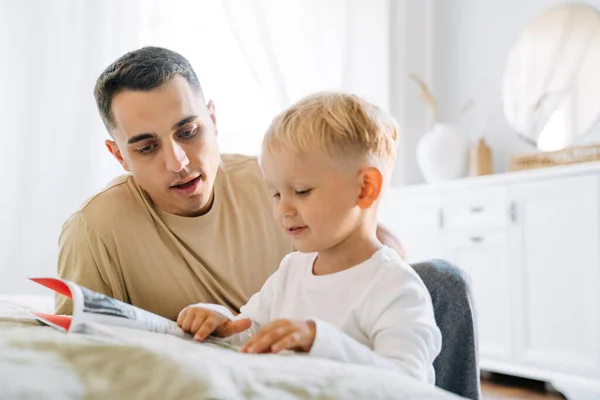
<point>149,148</point>
<point>188,133</point>
<point>303,192</point>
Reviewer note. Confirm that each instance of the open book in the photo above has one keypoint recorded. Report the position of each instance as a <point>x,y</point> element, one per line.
<point>90,307</point>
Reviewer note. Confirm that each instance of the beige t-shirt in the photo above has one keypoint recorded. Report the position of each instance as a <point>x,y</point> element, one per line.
<point>120,244</point>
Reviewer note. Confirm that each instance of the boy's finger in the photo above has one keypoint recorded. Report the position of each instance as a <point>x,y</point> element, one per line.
<point>197,322</point>
<point>264,342</point>
<point>259,335</point>
<point>187,322</point>
<point>181,316</point>
<point>233,327</point>
<point>255,337</point>
<point>209,325</point>
<point>287,342</point>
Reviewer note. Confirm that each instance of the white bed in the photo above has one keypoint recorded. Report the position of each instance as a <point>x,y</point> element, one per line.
<point>42,363</point>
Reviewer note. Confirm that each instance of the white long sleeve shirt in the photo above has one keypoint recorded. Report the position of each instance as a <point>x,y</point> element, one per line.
<point>377,313</point>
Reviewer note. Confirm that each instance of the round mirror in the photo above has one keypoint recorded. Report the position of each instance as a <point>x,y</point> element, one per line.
<point>551,83</point>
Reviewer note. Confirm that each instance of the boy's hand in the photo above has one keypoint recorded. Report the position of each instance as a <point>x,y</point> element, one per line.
<point>201,322</point>
<point>282,334</point>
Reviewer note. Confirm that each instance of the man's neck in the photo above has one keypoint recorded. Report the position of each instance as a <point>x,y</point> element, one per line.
<point>206,208</point>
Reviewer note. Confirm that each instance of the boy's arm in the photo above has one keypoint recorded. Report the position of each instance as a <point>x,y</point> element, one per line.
<point>84,260</point>
<point>257,310</point>
<point>401,327</point>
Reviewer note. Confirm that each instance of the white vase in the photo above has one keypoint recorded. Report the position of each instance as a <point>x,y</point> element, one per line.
<point>443,154</point>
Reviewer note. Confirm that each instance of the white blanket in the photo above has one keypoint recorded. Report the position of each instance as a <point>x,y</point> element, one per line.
<point>39,362</point>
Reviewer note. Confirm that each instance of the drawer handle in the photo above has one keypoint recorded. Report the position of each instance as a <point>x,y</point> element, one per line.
<point>477,239</point>
<point>513,212</point>
<point>476,209</point>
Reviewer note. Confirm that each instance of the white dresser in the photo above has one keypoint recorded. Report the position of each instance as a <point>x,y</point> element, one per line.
<point>531,243</point>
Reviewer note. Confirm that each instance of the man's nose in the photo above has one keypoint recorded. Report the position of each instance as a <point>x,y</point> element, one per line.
<point>176,158</point>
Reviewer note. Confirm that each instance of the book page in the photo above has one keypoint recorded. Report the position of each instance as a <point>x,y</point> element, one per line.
<point>66,288</point>
<point>60,322</point>
<point>97,307</point>
<point>93,307</point>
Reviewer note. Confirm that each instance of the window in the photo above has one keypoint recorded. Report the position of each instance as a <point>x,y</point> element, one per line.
<point>199,30</point>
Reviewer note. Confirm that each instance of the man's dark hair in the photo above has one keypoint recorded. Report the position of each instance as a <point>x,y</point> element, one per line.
<point>140,70</point>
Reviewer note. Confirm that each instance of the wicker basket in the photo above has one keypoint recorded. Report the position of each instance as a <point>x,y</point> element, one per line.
<point>571,155</point>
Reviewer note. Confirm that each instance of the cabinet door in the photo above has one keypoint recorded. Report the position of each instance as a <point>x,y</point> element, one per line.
<point>555,248</point>
<point>476,208</point>
<point>416,220</point>
<point>484,256</point>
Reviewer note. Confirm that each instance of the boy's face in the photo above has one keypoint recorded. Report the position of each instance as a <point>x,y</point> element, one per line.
<point>314,198</point>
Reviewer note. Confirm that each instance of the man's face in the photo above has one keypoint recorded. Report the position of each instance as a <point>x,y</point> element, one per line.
<point>167,139</point>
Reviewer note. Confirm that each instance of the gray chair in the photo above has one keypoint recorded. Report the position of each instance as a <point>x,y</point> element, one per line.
<point>457,366</point>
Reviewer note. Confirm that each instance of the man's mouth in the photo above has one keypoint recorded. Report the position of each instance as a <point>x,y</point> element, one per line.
<point>186,186</point>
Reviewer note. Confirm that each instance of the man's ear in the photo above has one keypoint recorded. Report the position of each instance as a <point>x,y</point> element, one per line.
<point>371,181</point>
<point>213,116</point>
<point>112,147</point>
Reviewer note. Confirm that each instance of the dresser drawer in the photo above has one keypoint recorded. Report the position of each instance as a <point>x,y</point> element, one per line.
<point>476,208</point>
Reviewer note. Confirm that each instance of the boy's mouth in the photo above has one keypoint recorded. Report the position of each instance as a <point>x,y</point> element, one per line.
<point>296,230</point>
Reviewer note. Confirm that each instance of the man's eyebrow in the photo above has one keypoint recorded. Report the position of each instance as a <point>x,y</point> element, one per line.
<point>144,136</point>
<point>140,137</point>
<point>184,121</point>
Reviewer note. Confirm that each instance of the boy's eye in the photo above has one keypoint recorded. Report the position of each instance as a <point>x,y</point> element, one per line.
<point>275,196</point>
<point>303,192</point>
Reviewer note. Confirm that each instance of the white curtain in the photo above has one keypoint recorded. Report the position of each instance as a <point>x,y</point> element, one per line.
<point>297,47</point>
<point>252,60</point>
<point>52,155</point>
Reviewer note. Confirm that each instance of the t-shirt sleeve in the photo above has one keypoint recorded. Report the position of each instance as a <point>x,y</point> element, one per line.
<point>399,322</point>
<point>84,260</point>
<point>259,307</point>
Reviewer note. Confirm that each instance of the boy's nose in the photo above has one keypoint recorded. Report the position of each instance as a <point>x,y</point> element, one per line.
<point>286,209</point>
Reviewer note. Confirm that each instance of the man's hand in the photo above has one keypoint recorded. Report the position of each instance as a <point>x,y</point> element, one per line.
<point>282,334</point>
<point>201,323</point>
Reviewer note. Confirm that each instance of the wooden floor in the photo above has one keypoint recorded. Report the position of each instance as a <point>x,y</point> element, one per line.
<point>500,387</point>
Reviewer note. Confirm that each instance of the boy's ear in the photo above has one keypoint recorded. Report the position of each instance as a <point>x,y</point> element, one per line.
<point>371,181</point>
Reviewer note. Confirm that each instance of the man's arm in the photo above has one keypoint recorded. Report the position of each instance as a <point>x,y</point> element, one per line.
<point>386,237</point>
<point>84,260</point>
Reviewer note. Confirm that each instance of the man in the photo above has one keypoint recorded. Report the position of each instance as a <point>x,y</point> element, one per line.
<point>187,224</point>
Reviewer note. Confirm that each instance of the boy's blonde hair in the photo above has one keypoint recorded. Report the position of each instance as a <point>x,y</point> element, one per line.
<point>340,123</point>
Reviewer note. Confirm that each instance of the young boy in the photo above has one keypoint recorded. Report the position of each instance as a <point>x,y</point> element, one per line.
<point>343,295</point>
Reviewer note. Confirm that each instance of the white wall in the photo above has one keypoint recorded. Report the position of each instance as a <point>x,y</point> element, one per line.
<point>410,51</point>
<point>472,40</point>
